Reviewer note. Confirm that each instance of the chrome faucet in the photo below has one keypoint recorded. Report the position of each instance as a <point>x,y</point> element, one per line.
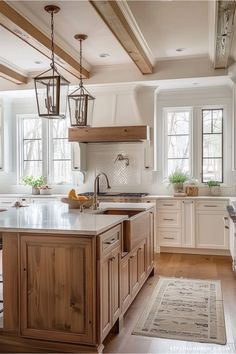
<point>95,190</point>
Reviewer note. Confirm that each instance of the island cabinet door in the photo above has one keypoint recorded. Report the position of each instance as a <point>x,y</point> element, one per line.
<point>150,244</point>
<point>110,297</point>
<point>57,288</point>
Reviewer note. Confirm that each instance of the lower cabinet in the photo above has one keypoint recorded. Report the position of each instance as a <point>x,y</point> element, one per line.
<point>201,224</point>
<point>57,293</point>
<point>109,291</point>
<point>210,230</point>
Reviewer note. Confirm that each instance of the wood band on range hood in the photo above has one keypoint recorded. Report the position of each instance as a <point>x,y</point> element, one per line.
<point>109,134</point>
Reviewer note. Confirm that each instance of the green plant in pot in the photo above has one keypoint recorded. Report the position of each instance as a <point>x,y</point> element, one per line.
<point>214,187</point>
<point>177,180</point>
<point>34,182</point>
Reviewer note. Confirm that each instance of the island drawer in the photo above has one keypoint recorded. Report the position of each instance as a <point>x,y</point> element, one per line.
<point>109,241</point>
<point>169,204</point>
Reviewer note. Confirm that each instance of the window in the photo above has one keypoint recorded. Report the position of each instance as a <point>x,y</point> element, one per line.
<point>44,149</point>
<point>61,152</point>
<point>178,140</point>
<point>212,145</point>
<point>32,146</point>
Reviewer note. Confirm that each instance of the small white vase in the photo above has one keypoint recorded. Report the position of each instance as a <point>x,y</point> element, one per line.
<point>215,191</point>
<point>35,190</point>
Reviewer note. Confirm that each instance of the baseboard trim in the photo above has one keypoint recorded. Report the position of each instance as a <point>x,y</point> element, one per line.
<point>195,251</point>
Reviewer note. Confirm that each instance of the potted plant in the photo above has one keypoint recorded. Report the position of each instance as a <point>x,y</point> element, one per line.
<point>214,187</point>
<point>35,183</point>
<point>177,179</point>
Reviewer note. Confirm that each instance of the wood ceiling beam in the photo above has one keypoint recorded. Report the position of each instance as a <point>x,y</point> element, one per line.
<point>12,75</point>
<point>224,12</point>
<point>112,15</point>
<point>22,28</point>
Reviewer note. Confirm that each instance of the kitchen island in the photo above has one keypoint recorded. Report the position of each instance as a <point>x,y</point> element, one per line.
<point>69,277</point>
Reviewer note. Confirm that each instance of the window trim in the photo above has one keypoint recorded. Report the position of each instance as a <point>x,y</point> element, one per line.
<point>222,147</point>
<point>166,110</point>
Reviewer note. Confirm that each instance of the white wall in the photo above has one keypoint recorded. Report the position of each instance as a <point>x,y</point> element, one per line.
<point>121,105</point>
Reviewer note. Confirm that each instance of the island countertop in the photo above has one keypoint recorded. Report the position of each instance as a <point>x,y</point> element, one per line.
<point>55,217</point>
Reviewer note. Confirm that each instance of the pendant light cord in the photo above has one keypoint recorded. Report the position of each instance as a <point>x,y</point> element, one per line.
<point>80,63</point>
<point>52,41</point>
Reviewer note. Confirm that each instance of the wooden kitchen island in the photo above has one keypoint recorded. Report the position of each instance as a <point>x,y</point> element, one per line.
<point>69,277</point>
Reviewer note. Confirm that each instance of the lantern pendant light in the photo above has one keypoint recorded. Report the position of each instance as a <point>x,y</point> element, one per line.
<point>80,101</point>
<point>51,88</point>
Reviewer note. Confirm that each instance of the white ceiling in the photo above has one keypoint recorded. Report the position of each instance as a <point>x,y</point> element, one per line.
<point>18,54</point>
<point>165,25</point>
<point>76,17</point>
<point>168,25</point>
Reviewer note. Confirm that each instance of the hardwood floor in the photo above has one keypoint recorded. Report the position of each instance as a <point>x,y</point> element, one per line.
<point>179,265</point>
<point>173,265</point>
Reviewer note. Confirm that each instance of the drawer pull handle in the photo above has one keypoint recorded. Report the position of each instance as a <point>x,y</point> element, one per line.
<point>167,219</point>
<point>227,227</point>
<point>210,206</point>
<point>168,238</point>
<point>168,204</point>
<point>110,242</point>
<point>112,259</point>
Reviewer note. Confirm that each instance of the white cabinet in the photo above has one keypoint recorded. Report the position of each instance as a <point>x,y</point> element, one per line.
<point>210,230</point>
<point>188,222</point>
<point>193,223</point>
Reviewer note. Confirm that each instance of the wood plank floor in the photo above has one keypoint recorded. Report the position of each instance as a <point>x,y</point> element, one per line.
<point>188,266</point>
<point>174,265</point>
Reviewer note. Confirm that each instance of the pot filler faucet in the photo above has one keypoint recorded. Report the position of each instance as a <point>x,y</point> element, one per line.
<point>96,186</point>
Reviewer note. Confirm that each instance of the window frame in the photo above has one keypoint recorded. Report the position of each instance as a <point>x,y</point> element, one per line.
<point>166,110</point>
<point>223,141</point>
<point>47,156</point>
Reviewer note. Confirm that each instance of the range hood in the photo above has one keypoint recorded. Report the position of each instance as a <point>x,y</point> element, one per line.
<point>109,134</point>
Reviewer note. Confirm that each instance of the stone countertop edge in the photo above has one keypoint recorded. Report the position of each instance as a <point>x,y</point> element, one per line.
<point>56,218</point>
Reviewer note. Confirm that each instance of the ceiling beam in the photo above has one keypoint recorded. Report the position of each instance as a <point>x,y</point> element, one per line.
<point>113,16</point>
<point>222,29</point>
<point>18,25</point>
<point>12,75</point>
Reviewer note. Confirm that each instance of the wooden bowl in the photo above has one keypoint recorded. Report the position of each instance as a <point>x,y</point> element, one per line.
<point>78,204</point>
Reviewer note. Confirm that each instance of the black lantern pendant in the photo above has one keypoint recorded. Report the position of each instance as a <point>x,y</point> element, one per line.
<point>80,101</point>
<point>51,88</point>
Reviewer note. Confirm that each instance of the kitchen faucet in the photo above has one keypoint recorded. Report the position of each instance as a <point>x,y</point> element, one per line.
<point>95,191</point>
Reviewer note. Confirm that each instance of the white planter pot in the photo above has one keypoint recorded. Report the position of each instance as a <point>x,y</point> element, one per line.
<point>216,191</point>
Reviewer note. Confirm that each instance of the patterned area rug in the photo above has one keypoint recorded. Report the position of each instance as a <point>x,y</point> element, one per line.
<point>184,309</point>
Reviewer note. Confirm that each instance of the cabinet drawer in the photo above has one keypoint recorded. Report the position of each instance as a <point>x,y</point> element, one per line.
<point>169,237</point>
<point>109,241</point>
<point>211,205</point>
<point>169,204</point>
<point>168,219</point>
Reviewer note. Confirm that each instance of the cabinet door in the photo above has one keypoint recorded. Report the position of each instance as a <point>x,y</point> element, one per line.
<point>210,230</point>
<point>134,273</point>
<point>150,244</point>
<point>188,219</point>
<point>110,297</point>
<point>115,286</point>
<point>125,283</point>
<point>142,267</point>
<point>57,290</point>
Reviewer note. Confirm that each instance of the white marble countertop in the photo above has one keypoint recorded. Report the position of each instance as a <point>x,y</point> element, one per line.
<point>57,218</point>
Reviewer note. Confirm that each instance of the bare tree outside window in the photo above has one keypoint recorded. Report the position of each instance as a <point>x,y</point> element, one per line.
<point>212,145</point>
<point>44,149</point>
<point>178,127</point>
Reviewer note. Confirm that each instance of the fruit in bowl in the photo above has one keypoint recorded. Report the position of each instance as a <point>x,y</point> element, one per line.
<point>76,201</point>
